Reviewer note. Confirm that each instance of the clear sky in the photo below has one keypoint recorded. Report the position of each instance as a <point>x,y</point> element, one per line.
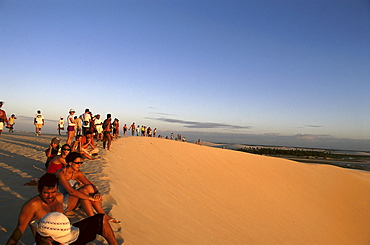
<point>282,72</point>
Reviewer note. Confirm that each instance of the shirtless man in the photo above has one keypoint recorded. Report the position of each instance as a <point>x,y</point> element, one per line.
<point>107,125</point>
<point>133,129</point>
<point>48,200</point>
<point>3,118</point>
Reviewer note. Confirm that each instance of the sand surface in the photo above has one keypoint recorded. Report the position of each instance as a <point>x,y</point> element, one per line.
<point>169,192</point>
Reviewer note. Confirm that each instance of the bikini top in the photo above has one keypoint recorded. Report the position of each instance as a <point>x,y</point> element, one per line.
<point>72,182</point>
<point>53,167</point>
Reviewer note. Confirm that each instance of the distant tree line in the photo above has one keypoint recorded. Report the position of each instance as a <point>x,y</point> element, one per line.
<point>295,152</point>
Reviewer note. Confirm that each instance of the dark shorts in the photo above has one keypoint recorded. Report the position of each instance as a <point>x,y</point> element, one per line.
<point>71,128</point>
<point>89,228</point>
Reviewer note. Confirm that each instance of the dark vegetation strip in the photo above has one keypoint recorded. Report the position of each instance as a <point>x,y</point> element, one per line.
<point>313,154</point>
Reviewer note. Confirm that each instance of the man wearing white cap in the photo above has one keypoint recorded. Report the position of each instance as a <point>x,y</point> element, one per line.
<point>55,228</point>
<point>3,118</point>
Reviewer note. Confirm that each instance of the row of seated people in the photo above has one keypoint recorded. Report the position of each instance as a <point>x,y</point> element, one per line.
<point>63,189</point>
<point>56,155</point>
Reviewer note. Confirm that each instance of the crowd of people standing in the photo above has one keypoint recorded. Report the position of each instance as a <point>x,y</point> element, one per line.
<point>101,130</point>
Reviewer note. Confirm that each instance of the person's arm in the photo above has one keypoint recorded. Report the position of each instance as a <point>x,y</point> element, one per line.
<point>49,151</point>
<point>74,146</point>
<point>90,142</point>
<point>63,181</point>
<point>85,142</point>
<point>82,178</point>
<point>25,217</point>
<point>71,119</point>
<point>6,119</point>
<point>60,160</point>
<point>86,145</point>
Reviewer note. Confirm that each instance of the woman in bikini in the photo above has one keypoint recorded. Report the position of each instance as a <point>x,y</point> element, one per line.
<point>59,161</point>
<point>70,180</point>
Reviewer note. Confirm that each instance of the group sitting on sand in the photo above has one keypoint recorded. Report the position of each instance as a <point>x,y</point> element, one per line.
<point>44,214</point>
<point>62,189</point>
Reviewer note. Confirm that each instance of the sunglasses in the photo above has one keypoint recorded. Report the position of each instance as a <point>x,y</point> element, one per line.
<point>66,149</point>
<point>78,162</point>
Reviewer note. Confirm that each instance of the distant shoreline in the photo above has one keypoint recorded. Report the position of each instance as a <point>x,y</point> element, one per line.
<point>360,163</point>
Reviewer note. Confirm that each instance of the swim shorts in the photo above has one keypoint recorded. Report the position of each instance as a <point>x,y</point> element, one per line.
<point>89,228</point>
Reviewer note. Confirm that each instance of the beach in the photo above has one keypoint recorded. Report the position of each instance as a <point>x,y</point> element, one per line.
<point>171,192</point>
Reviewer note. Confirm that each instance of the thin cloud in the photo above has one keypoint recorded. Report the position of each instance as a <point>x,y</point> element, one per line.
<point>313,126</point>
<point>162,114</point>
<point>202,125</point>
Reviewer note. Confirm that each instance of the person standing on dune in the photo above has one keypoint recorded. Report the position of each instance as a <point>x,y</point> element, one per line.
<point>71,126</point>
<point>86,118</point>
<point>11,122</point>
<point>39,121</point>
<point>60,125</point>
<point>133,128</point>
<point>99,128</point>
<point>3,118</point>
<point>107,127</point>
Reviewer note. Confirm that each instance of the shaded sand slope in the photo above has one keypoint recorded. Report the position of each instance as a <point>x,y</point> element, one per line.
<point>170,192</point>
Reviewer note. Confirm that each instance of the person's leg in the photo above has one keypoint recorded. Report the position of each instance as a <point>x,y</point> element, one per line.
<point>72,203</point>
<point>86,154</point>
<point>109,141</point>
<point>91,226</point>
<point>107,232</point>
<point>70,137</point>
<point>105,139</point>
<point>87,204</point>
<point>94,151</point>
<point>88,189</point>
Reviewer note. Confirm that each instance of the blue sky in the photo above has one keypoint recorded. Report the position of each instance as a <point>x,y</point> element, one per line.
<point>280,72</point>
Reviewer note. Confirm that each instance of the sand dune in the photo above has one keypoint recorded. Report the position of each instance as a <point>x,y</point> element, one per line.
<point>169,192</point>
<point>180,193</point>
